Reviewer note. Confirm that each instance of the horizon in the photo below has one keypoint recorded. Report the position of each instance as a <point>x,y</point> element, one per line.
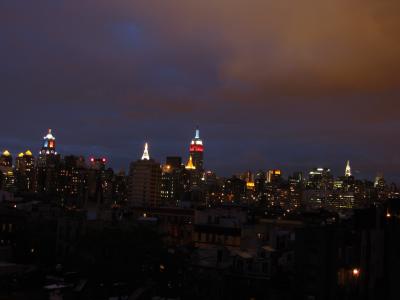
<point>123,162</point>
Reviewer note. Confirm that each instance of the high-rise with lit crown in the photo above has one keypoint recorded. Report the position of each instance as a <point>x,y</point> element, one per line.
<point>6,169</point>
<point>25,171</point>
<point>49,144</point>
<point>47,166</point>
<point>144,181</point>
<point>196,150</point>
<point>347,172</point>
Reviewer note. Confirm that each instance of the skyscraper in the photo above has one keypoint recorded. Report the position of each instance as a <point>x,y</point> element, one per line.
<point>25,172</point>
<point>347,172</point>
<point>48,166</point>
<point>49,144</point>
<point>144,181</point>
<point>171,189</point>
<point>196,151</point>
<point>6,169</point>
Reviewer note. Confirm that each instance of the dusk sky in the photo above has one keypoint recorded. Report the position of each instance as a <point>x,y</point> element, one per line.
<point>272,84</point>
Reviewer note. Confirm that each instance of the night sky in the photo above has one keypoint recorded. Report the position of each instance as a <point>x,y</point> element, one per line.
<point>272,84</point>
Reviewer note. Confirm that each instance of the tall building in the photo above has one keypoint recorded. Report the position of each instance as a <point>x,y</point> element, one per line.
<point>295,190</point>
<point>49,144</point>
<point>320,178</point>
<point>48,166</point>
<point>274,176</point>
<point>196,150</point>
<point>6,169</point>
<point>171,187</point>
<point>25,172</point>
<point>144,181</point>
<point>72,179</point>
<point>99,182</point>
<point>168,185</point>
<point>6,159</point>
<point>347,172</point>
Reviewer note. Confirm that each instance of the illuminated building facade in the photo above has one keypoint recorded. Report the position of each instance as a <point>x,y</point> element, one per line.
<point>320,178</point>
<point>196,150</point>
<point>171,187</point>
<point>49,144</point>
<point>6,159</point>
<point>25,172</point>
<point>274,176</point>
<point>347,172</point>
<point>47,167</point>
<point>144,181</point>
<point>72,179</point>
<point>168,185</point>
<point>7,173</point>
<point>295,190</point>
<point>99,182</point>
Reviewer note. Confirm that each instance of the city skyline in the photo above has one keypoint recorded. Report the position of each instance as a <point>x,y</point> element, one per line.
<point>185,149</point>
<point>148,149</point>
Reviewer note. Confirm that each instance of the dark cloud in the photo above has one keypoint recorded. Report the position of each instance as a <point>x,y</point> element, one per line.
<point>287,84</point>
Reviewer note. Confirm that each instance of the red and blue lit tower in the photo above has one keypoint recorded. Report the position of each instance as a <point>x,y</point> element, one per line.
<point>49,145</point>
<point>196,150</point>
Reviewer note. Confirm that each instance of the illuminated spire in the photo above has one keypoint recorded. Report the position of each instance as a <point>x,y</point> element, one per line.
<point>190,165</point>
<point>49,144</point>
<point>348,169</point>
<point>146,155</point>
<point>197,136</point>
<point>49,136</point>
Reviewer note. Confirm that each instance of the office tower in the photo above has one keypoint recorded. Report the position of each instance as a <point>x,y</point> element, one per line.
<point>99,182</point>
<point>274,176</point>
<point>196,150</point>
<point>49,144</point>
<point>6,169</point>
<point>295,190</point>
<point>168,185</point>
<point>25,172</point>
<point>144,181</point>
<point>47,166</point>
<point>171,187</point>
<point>320,178</point>
<point>6,159</point>
<point>72,179</point>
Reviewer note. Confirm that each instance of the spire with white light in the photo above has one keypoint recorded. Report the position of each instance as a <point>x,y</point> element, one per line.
<point>146,155</point>
<point>348,169</point>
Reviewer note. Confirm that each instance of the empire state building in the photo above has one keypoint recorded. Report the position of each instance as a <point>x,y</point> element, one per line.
<point>196,150</point>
